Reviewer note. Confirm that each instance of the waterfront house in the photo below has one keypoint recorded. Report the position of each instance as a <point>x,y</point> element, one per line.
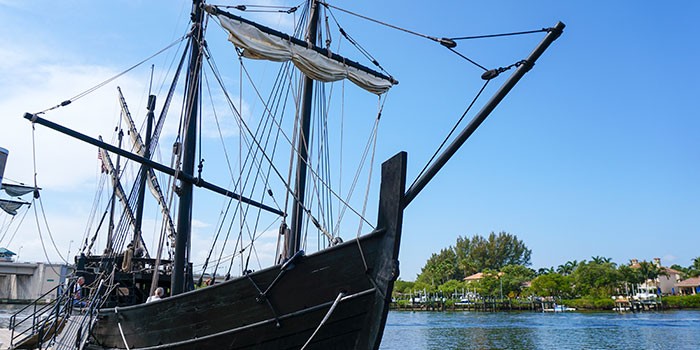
<point>690,286</point>
<point>478,276</point>
<point>667,280</point>
<point>475,277</point>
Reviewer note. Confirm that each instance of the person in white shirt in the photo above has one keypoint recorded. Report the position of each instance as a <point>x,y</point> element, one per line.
<point>157,295</point>
<point>78,298</point>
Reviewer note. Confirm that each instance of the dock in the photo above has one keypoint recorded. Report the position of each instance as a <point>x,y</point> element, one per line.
<point>5,335</point>
<point>636,305</point>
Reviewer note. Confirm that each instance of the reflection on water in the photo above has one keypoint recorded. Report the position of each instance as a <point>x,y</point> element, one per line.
<point>531,330</point>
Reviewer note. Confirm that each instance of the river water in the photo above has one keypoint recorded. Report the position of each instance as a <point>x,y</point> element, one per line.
<point>407,330</point>
<point>534,330</point>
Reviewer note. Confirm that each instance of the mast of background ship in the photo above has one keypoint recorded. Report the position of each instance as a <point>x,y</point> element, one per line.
<point>294,238</point>
<point>144,175</point>
<point>115,179</point>
<point>184,218</point>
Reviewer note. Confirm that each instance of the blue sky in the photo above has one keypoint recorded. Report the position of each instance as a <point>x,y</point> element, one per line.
<point>595,152</point>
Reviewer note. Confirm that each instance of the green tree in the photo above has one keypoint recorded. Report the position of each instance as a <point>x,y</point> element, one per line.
<point>545,270</point>
<point>694,269</point>
<point>450,287</point>
<point>402,287</point>
<point>596,278</point>
<point>422,286</point>
<point>567,268</point>
<point>551,284</point>
<point>489,285</point>
<point>476,254</point>
<point>650,271</point>
<point>465,265</point>
<point>512,279</point>
<point>600,260</point>
<point>630,275</point>
<point>494,252</point>
<point>440,268</point>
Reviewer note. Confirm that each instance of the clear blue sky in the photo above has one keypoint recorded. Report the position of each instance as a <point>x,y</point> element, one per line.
<point>595,152</point>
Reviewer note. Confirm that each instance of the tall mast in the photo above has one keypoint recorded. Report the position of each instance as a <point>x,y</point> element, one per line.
<point>144,175</point>
<point>115,179</point>
<point>184,219</point>
<point>294,239</point>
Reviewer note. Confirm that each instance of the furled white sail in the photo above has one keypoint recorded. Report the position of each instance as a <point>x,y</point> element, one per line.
<point>119,190</point>
<point>257,44</point>
<point>152,180</point>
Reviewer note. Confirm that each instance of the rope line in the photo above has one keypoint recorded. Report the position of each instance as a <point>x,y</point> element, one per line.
<point>502,34</point>
<point>92,89</point>
<point>451,132</point>
<point>380,22</point>
<point>325,318</point>
<point>467,58</point>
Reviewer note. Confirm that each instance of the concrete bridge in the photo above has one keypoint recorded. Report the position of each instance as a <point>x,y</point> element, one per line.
<point>25,282</point>
<point>11,268</point>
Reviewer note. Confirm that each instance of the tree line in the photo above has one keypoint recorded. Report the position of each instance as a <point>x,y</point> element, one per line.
<point>504,259</point>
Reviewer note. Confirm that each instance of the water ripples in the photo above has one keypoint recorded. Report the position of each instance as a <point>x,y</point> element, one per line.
<point>531,330</point>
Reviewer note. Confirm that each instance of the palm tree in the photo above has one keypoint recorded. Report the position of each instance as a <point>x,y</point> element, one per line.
<point>694,269</point>
<point>544,271</point>
<point>568,268</point>
<point>650,271</point>
<point>600,260</point>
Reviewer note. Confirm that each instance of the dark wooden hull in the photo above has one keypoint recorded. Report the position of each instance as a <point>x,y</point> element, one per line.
<point>232,315</point>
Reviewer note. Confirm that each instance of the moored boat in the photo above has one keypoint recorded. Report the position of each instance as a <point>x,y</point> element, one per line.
<point>337,297</point>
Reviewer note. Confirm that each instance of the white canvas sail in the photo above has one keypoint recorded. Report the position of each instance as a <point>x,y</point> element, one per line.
<point>257,44</point>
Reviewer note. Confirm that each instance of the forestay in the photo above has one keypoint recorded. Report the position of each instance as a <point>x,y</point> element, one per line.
<point>257,44</point>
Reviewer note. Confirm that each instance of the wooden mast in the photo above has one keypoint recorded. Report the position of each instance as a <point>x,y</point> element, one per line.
<point>294,238</point>
<point>115,178</point>
<point>184,219</point>
<point>144,175</point>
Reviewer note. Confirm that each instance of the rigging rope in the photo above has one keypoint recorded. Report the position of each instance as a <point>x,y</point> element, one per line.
<point>311,170</point>
<point>92,89</point>
<point>459,121</point>
<point>36,215</point>
<point>16,229</point>
<point>267,8</point>
<point>380,22</point>
<point>357,45</point>
<point>502,34</point>
<point>252,152</point>
<point>371,166</point>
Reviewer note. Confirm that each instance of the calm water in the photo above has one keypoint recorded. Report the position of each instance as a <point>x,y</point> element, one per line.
<point>532,330</point>
<point>407,330</point>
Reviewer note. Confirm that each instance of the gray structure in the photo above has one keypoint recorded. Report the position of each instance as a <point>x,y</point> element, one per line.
<point>25,282</point>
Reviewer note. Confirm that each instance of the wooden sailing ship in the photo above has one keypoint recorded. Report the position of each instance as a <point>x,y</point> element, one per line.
<point>335,298</point>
